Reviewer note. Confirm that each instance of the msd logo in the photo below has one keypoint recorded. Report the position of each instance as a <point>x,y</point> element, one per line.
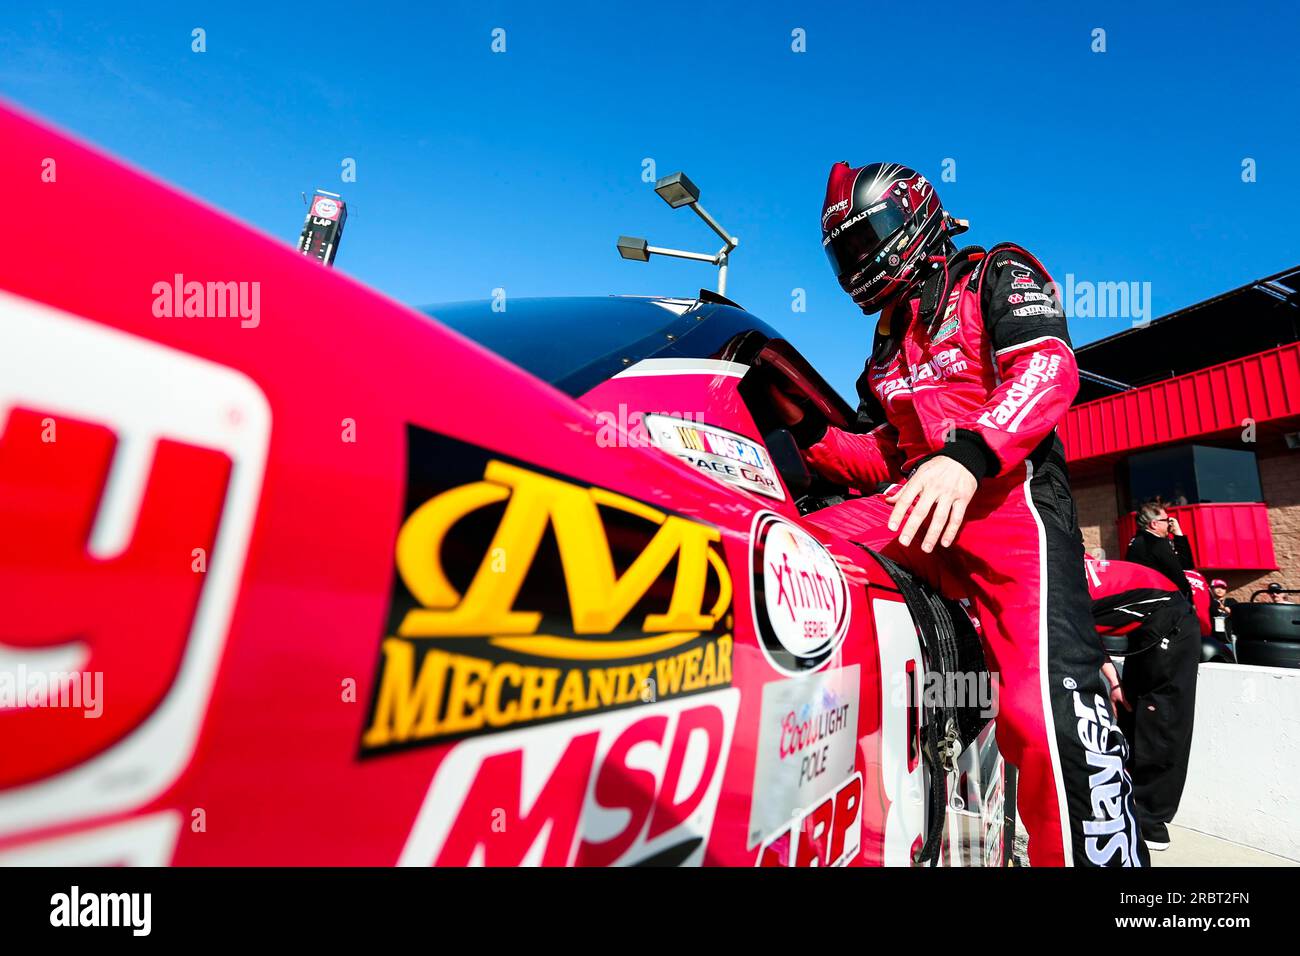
<point>129,479</point>
<point>622,788</point>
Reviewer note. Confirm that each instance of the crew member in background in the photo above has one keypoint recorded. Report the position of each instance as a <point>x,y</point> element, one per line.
<point>1161,545</point>
<point>1220,609</point>
<point>1142,617</point>
<point>1276,595</point>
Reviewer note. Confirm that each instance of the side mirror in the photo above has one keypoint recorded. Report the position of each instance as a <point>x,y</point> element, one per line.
<point>788,462</point>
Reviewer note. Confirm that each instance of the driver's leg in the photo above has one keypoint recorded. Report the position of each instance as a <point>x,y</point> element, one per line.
<point>1020,553</point>
<point>865,521</point>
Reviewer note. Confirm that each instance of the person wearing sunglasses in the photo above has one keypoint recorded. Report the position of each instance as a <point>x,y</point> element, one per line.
<point>1161,545</point>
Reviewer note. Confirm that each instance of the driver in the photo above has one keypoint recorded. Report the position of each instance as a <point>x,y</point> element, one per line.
<point>970,371</point>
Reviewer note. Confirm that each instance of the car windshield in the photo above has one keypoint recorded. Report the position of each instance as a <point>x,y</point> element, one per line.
<point>553,338</point>
<point>577,343</point>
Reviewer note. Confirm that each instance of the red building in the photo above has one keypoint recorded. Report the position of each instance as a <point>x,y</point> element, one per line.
<point>1202,408</point>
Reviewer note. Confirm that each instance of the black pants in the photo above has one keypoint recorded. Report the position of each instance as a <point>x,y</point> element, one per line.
<point>1160,684</point>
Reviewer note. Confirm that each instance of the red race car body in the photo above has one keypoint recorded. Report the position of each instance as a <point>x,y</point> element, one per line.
<point>293,574</point>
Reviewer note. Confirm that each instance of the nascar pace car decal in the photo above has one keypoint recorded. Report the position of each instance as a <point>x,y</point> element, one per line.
<point>524,597</point>
<point>718,453</point>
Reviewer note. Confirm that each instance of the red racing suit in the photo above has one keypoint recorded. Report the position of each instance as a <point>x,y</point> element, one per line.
<point>978,366</point>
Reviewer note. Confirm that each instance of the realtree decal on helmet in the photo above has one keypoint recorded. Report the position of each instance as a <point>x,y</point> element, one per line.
<point>880,224</point>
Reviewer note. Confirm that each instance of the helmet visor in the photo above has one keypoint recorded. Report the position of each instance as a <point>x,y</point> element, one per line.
<point>847,248</point>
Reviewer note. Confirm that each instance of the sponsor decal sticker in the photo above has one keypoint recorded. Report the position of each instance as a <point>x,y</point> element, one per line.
<point>806,745</point>
<point>635,787</point>
<point>947,330</point>
<point>1111,830</point>
<point>1023,394</point>
<point>833,209</point>
<point>800,596</point>
<point>718,453</point>
<point>951,318</point>
<point>325,208</point>
<point>1036,310</point>
<point>1023,280</point>
<point>523,597</point>
<point>826,834</point>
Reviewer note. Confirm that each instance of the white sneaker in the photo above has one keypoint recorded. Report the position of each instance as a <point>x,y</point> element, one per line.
<point>1157,838</point>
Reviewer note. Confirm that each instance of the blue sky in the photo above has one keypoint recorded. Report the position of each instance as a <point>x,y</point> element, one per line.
<point>518,170</point>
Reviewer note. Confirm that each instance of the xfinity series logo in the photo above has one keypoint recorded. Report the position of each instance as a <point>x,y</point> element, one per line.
<point>801,597</point>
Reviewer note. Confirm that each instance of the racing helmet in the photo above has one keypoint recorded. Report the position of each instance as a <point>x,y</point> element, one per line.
<point>880,225</point>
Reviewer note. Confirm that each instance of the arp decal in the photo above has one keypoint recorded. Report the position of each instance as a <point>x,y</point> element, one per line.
<point>800,595</point>
<point>722,455</point>
<point>523,597</point>
<point>118,458</point>
<point>828,833</point>
<point>635,787</point>
<point>807,743</point>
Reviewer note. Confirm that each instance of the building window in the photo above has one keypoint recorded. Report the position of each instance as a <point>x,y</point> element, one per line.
<point>1189,475</point>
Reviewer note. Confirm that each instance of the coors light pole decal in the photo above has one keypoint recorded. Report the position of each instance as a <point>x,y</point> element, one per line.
<point>323,227</point>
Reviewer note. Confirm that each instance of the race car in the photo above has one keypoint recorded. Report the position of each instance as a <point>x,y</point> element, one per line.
<point>292,574</point>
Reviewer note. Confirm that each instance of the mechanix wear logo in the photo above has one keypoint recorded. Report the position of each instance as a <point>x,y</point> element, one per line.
<point>523,597</point>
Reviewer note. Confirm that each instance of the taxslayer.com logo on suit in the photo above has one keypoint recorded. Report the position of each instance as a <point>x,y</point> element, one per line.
<point>800,596</point>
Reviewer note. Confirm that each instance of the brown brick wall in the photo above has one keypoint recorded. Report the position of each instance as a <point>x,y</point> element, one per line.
<point>1279,475</point>
<point>1098,512</point>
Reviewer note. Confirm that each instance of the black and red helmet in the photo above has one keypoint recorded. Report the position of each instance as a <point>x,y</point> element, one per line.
<point>880,225</point>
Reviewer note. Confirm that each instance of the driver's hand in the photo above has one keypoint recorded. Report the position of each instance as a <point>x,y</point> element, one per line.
<point>787,409</point>
<point>942,485</point>
<point>1116,688</point>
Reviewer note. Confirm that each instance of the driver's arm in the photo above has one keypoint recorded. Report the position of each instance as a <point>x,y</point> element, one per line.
<point>1035,364</point>
<point>857,460</point>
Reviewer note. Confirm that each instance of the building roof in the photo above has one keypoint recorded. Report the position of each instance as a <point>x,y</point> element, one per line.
<point>1252,318</point>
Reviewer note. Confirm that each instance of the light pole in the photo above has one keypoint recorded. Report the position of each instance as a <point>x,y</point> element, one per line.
<point>677,190</point>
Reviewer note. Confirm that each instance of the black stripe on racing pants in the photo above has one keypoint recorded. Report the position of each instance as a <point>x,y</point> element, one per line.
<point>1092,752</point>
